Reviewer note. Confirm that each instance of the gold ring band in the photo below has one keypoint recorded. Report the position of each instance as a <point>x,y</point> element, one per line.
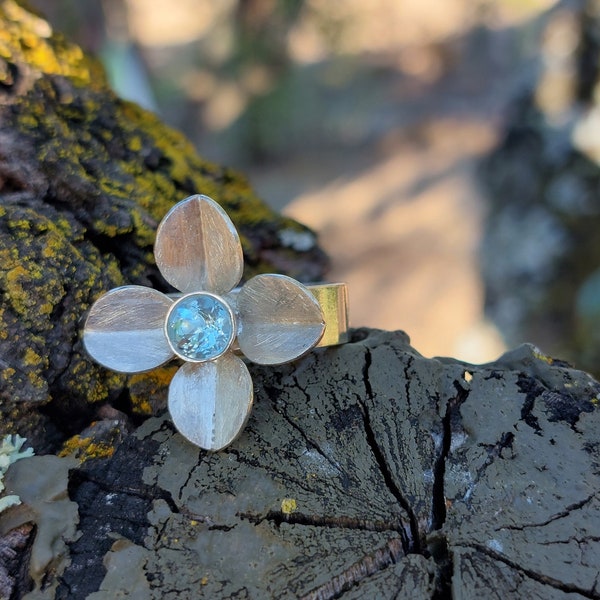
<point>333,299</point>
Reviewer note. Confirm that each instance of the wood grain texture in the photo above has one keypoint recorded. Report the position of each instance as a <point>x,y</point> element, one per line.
<point>364,471</point>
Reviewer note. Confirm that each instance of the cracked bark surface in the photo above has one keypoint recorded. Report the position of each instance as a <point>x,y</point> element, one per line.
<point>365,471</point>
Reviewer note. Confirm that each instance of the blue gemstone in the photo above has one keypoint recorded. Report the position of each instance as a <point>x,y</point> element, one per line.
<point>200,327</point>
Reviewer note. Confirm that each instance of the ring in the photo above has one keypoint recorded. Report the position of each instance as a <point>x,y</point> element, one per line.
<point>211,324</point>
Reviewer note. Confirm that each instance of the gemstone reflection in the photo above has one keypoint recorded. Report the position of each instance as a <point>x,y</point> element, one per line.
<point>200,327</point>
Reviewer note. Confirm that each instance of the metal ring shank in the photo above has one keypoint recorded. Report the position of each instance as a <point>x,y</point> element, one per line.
<point>333,298</point>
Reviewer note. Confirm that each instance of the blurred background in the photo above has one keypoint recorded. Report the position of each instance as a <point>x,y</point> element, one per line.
<point>444,150</point>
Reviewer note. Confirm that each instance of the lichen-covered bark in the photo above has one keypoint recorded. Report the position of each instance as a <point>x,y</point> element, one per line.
<point>365,471</point>
<point>84,180</point>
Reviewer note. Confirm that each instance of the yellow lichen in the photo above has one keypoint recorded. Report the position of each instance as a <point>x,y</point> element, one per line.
<point>142,407</point>
<point>135,143</point>
<point>32,358</point>
<point>30,294</point>
<point>37,381</point>
<point>53,244</point>
<point>543,357</point>
<point>143,386</point>
<point>16,273</point>
<point>85,448</point>
<point>46,308</point>
<point>25,37</point>
<point>288,506</point>
<point>7,261</point>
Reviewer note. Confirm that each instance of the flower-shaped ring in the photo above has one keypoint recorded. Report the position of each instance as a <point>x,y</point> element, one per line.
<point>271,319</point>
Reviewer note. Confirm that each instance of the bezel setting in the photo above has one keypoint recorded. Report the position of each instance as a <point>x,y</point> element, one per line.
<point>223,346</point>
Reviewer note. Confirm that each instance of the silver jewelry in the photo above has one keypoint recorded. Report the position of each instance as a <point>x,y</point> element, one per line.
<point>271,319</point>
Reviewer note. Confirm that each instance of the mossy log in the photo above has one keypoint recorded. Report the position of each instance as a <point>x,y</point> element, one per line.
<point>365,471</point>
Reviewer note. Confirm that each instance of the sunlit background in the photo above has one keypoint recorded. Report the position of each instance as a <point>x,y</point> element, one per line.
<point>368,121</point>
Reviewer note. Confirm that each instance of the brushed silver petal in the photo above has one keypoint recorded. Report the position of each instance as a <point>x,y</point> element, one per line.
<point>210,402</point>
<point>280,319</point>
<point>198,248</point>
<point>124,329</point>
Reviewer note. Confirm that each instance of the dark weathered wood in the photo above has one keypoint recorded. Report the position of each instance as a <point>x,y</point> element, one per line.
<point>366,471</point>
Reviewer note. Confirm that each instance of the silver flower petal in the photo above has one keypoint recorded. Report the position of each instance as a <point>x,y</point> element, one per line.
<point>124,330</point>
<point>210,402</point>
<point>197,247</point>
<point>281,320</point>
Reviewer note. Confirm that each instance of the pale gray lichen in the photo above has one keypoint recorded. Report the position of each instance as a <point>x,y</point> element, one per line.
<point>10,452</point>
<point>301,241</point>
<point>41,483</point>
